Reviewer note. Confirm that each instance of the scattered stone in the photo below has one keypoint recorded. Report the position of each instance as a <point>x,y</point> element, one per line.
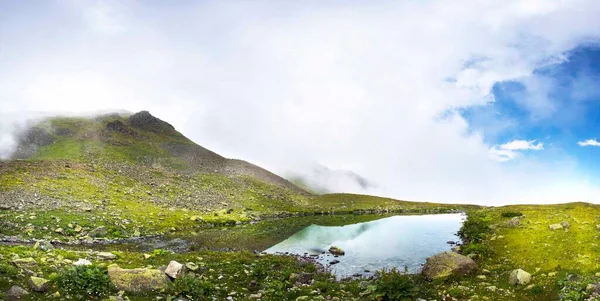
<point>106,256</point>
<point>146,256</point>
<point>565,225</point>
<point>514,222</point>
<point>335,261</point>
<point>174,269</point>
<point>519,276</point>
<point>303,278</point>
<point>100,231</point>
<point>491,288</point>
<point>556,227</point>
<point>451,242</point>
<point>59,230</point>
<point>43,245</point>
<point>448,263</point>
<point>39,284</point>
<point>82,262</point>
<point>16,293</point>
<point>25,263</point>
<point>191,266</point>
<point>336,251</point>
<point>78,228</point>
<point>481,277</point>
<point>138,280</point>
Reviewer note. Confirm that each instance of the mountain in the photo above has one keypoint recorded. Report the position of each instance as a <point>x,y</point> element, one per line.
<point>137,175</point>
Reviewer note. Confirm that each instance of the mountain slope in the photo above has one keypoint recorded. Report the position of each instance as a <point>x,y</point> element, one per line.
<point>136,175</point>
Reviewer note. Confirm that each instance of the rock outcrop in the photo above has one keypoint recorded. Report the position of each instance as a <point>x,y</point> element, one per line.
<point>519,276</point>
<point>447,263</point>
<point>137,280</point>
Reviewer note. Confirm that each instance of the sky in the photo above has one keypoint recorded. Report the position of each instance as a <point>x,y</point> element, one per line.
<point>470,101</point>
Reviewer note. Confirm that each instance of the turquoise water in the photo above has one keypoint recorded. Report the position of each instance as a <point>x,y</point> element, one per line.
<point>402,242</point>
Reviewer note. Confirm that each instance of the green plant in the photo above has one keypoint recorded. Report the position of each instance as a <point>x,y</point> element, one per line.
<point>573,288</point>
<point>510,214</point>
<point>192,287</point>
<point>476,248</point>
<point>475,228</point>
<point>82,281</point>
<point>393,285</point>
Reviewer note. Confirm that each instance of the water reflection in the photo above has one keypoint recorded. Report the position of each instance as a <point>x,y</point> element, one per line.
<point>397,241</point>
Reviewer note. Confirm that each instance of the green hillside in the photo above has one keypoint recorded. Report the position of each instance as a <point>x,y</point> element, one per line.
<point>137,176</point>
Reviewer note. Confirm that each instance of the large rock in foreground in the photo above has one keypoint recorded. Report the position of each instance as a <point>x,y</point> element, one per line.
<point>138,280</point>
<point>519,276</point>
<point>447,263</point>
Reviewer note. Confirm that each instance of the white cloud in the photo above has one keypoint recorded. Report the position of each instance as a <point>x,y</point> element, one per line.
<point>589,142</point>
<point>509,151</point>
<point>284,84</point>
<point>522,145</point>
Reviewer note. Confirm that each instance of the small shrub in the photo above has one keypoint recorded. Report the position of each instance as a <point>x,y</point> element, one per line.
<point>395,286</point>
<point>475,228</point>
<point>477,249</point>
<point>573,288</point>
<point>511,214</point>
<point>193,288</point>
<point>85,281</point>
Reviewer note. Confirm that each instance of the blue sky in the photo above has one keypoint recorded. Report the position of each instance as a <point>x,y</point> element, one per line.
<point>347,85</point>
<point>558,107</point>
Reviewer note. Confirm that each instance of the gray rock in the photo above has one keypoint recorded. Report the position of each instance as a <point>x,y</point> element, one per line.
<point>191,266</point>
<point>514,222</point>
<point>82,262</point>
<point>138,280</point>
<point>16,293</point>
<point>174,269</point>
<point>556,227</point>
<point>303,278</point>
<point>39,284</point>
<point>565,225</point>
<point>106,256</point>
<point>447,263</point>
<point>519,276</point>
<point>336,251</point>
<point>25,263</point>
<point>100,231</point>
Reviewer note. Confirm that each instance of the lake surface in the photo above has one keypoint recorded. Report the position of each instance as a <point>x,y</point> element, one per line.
<point>403,242</point>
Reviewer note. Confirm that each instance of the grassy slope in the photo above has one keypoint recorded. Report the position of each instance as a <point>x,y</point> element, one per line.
<point>563,263</point>
<point>123,178</point>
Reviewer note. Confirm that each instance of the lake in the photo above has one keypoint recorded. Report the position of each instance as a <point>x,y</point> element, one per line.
<point>402,242</point>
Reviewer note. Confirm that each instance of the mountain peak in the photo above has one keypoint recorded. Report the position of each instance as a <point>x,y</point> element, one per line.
<point>147,121</point>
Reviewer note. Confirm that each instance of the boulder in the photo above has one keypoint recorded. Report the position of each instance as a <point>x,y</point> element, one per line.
<point>43,245</point>
<point>336,251</point>
<point>174,269</point>
<point>38,284</point>
<point>514,222</point>
<point>303,278</point>
<point>82,262</point>
<point>191,266</point>
<point>447,263</point>
<point>519,276</point>
<point>556,227</point>
<point>138,280</point>
<point>106,256</point>
<point>100,231</point>
<point>16,293</point>
<point>25,263</point>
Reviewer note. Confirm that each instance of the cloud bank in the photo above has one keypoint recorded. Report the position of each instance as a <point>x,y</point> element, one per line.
<point>589,142</point>
<point>376,89</point>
